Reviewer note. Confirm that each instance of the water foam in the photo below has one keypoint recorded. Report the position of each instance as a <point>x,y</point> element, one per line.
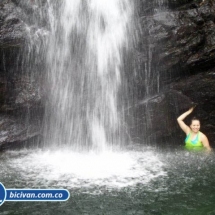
<point>112,169</point>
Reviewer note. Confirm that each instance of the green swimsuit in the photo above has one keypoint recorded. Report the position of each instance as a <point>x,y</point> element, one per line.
<point>193,144</point>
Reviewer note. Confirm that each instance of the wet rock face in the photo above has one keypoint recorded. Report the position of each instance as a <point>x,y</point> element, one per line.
<point>179,43</point>
<point>20,94</point>
<point>21,91</point>
<point>15,131</point>
<point>176,47</point>
<point>181,39</point>
<point>12,28</point>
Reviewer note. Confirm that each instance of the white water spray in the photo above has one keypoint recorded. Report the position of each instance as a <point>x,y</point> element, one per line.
<point>95,172</point>
<point>84,63</point>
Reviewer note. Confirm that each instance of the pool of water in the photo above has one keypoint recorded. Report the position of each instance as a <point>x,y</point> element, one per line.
<point>135,180</point>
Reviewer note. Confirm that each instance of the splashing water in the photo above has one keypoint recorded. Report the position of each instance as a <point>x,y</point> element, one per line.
<point>84,60</point>
<point>114,170</point>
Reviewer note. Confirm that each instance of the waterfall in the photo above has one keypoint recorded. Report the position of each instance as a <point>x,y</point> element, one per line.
<point>84,55</point>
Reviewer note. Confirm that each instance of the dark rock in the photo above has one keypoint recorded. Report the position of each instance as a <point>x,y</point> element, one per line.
<point>183,4</point>
<point>176,52</point>
<point>20,81</point>
<point>183,39</point>
<point>20,94</point>
<point>12,29</point>
<point>14,131</point>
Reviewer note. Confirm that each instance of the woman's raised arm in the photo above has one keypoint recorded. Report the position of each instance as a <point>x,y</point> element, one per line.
<point>181,123</point>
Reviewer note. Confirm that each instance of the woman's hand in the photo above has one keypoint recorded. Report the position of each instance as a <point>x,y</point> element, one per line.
<point>191,109</point>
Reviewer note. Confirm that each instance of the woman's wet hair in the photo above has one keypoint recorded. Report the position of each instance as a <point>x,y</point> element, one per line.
<point>194,118</point>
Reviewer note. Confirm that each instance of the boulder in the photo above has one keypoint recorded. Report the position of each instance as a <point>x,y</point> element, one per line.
<point>156,116</point>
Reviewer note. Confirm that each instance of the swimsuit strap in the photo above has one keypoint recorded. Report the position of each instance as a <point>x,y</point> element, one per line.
<point>189,134</point>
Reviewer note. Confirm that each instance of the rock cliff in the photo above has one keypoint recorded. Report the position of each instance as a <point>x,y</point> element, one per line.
<point>20,86</point>
<point>177,48</point>
<point>174,58</point>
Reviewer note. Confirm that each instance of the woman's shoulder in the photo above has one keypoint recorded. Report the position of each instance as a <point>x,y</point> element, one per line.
<point>202,135</point>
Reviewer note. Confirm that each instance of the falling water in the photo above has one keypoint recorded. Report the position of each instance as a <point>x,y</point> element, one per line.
<point>84,71</point>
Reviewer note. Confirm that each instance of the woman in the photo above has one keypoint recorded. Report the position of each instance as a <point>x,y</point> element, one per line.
<point>195,139</point>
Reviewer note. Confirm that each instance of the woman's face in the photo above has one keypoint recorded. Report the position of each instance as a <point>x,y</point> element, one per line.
<point>195,126</point>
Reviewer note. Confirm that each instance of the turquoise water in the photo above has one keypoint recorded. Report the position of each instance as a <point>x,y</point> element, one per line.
<point>143,180</point>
